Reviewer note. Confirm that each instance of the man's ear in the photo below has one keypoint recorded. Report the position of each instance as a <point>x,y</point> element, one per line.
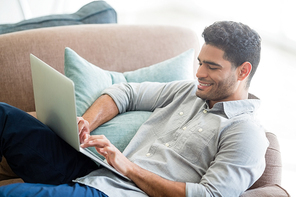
<point>244,70</point>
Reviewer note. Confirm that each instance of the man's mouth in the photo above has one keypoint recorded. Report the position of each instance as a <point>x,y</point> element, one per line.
<point>203,85</point>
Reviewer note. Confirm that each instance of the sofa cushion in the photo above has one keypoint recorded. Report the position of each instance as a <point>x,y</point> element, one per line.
<point>266,191</point>
<point>93,13</point>
<point>178,68</point>
<point>91,80</point>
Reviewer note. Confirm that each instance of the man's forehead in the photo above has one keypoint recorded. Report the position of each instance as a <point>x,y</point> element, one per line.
<point>208,49</point>
<point>210,53</point>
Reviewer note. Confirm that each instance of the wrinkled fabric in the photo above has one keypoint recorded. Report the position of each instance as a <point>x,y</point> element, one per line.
<point>216,152</point>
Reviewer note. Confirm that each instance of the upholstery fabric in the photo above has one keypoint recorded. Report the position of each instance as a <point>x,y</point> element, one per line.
<point>173,69</point>
<point>266,191</point>
<point>96,12</point>
<point>124,51</point>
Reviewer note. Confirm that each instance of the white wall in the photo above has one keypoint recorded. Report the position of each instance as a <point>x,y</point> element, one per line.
<point>11,10</point>
<point>273,18</point>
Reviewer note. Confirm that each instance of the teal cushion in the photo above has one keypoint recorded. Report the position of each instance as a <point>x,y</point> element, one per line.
<point>176,68</point>
<point>91,80</point>
<point>121,129</point>
<point>95,12</point>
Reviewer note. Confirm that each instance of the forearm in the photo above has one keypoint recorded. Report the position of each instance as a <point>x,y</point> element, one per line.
<point>101,111</point>
<point>155,185</point>
<point>149,182</point>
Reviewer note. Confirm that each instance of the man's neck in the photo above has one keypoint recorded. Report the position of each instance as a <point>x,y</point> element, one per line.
<point>242,96</point>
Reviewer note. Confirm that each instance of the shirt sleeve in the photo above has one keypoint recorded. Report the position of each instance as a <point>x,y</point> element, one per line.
<point>145,96</point>
<point>239,162</point>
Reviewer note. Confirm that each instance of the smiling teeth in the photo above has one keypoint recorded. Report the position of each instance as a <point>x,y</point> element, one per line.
<point>202,84</point>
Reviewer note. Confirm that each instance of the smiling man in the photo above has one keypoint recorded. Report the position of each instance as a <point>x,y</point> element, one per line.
<point>218,79</point>
<point>202,138</point>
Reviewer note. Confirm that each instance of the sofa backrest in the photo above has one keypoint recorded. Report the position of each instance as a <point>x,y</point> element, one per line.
<point>273,171</point>
<point>110,46</point>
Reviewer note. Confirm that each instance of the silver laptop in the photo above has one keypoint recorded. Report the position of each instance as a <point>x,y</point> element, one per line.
<point>55,106</point>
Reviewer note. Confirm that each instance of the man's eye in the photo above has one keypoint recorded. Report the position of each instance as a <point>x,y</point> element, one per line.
<point>212,68</point>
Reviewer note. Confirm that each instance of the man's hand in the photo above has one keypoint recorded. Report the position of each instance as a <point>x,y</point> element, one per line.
<point>113,156</point>
<point>83,128</point>
<point>149,182</point>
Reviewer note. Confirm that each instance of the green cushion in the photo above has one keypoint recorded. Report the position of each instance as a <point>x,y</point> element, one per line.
<point>91,80</point>
<point>96,12</point>
<point>177,68</point>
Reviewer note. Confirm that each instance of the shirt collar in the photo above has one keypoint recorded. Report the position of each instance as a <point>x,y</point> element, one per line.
<point>235,108</point>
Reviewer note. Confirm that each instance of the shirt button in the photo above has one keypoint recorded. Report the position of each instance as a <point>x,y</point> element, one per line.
<point>148,154</point>
<point>181,113</point>
<point>167,144</point>
<point>200,130</point>
<point>184,128</point>
<point>205,111</point>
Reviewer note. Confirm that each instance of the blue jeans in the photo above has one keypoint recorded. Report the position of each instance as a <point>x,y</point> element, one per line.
<point>36,154</point>
<point>41,190</point>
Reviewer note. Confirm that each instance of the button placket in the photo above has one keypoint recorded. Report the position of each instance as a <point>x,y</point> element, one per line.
<point>151,151</point>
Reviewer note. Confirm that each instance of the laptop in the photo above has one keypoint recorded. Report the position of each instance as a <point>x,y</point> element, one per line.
<point>55,106</point>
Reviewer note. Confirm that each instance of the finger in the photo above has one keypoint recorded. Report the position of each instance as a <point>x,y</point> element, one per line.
<point>98,137</point>
<point>99,141</point>
<point>83,125</point>
<point>79,118</point>
<point>83,137</point>
<point>102,151</point>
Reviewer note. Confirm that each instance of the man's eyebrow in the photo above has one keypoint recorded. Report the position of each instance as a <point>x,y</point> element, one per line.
<point>212,63</point>
<point>209,62</point>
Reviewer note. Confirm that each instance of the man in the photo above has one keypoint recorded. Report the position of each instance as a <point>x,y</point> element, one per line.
<point>201,140</point>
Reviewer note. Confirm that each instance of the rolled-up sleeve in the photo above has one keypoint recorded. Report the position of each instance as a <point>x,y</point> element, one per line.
<point>145,96</point>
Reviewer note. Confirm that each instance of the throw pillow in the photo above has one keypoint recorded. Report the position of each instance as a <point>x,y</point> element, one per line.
<point>176,68</point>
<point>95,12</point>
<point>91,80</point>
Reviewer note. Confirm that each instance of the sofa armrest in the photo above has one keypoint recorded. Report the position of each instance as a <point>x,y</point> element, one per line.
<point>266,191</point>
<point>11,181</point>
<point>7,176</point>
<point>33,113</point>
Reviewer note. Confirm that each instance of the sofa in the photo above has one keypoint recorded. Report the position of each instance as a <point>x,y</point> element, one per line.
<point>115,48</point>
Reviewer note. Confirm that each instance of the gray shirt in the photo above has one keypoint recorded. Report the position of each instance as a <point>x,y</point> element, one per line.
<point>216,152</point>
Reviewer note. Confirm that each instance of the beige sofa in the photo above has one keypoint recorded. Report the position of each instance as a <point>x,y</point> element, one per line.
<point>112,47</point>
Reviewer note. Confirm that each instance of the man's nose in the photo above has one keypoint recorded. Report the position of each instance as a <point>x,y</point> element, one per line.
<point>201,72</point>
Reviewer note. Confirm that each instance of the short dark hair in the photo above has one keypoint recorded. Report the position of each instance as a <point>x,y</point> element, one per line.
<point>239,42</point>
